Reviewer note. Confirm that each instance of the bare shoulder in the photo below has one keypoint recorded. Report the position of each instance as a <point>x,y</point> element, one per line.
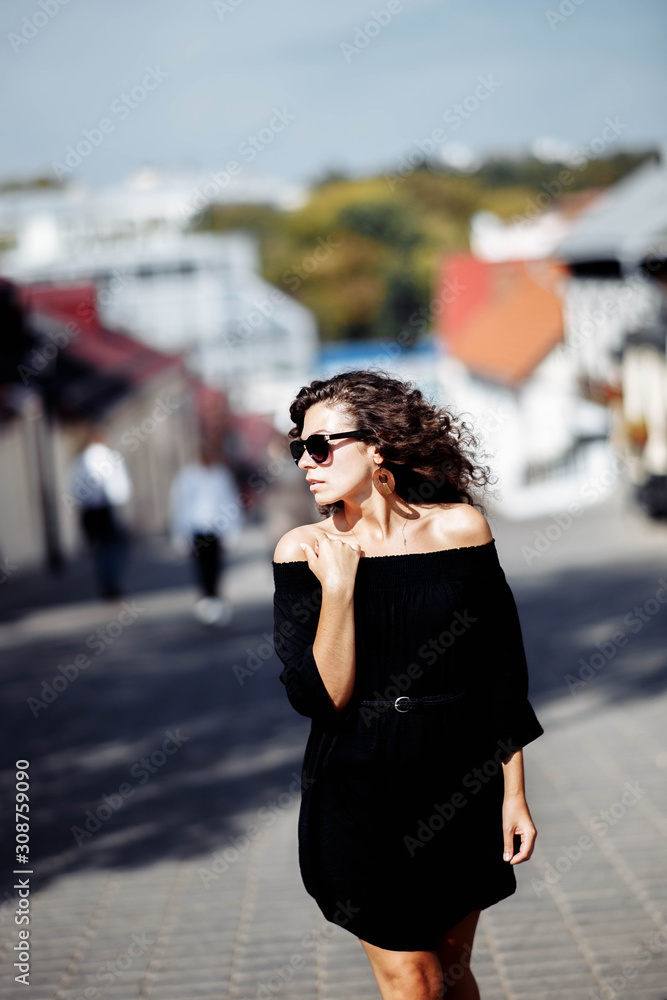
<point>287,548</point>
<point>460,524</point>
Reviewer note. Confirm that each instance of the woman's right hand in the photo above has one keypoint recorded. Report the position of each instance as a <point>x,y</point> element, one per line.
<point>334,562</point>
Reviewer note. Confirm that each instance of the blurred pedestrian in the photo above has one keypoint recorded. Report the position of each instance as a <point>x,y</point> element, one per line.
<point>99,486</point>
<point>206,519</point>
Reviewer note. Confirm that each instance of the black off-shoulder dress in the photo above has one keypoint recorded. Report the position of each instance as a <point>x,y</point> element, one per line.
<point>400,827</point>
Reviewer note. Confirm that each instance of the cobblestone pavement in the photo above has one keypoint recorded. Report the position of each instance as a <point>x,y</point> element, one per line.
<point>164,798</point>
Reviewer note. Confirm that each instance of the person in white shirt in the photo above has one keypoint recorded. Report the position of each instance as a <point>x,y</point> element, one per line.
<point>99,485</point>
<point>206,518</point>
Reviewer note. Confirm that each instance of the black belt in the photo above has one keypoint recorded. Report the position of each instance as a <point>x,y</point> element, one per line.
<point>405,704</point>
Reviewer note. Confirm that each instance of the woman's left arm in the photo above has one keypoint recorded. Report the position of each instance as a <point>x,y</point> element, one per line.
<point>516,815</point>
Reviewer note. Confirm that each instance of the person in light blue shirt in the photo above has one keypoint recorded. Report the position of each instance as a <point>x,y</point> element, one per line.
<point>206,519</point>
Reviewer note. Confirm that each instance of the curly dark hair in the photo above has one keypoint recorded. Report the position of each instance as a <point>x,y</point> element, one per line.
<point>429,450</point>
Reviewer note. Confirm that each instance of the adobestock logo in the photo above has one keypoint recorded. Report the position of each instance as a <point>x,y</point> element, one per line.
<point>121,107</point>
<point>578,160</point>
<point>142,770</point>
<point>607,648</point>
<point>31,26</point>
<point>365,33</point>
<point>454,117</point>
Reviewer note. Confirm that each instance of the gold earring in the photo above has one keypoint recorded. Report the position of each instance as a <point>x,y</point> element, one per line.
<point>384,481</point>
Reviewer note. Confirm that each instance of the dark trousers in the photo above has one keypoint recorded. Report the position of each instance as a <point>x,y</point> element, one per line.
<point>108,542</point>
<point>209,558</point>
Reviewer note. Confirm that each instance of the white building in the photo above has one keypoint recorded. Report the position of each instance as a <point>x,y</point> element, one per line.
<point>615,308</point>
<point>532,235</point>
<point>196,293</point>
<point>506,370</point>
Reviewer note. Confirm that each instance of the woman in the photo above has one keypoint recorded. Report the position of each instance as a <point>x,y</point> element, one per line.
<point>401,641</point>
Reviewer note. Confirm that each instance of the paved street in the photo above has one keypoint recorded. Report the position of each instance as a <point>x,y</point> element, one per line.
<point>164,799</point>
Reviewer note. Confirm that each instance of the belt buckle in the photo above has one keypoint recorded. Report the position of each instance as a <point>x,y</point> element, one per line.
<point>402,697</point>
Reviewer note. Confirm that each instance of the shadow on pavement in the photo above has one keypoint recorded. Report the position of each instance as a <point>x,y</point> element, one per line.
<point>160,750</point>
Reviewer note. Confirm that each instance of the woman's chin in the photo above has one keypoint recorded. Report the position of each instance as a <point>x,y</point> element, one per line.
<point>325,496</point>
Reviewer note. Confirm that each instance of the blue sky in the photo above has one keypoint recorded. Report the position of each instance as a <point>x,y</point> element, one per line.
<point>364,81</point>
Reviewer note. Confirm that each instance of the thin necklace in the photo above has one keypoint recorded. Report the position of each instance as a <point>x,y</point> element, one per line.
<point>403,532</point>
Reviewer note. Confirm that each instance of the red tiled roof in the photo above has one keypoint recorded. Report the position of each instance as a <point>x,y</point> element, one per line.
<point>110,351</point>
<point>500,319</point>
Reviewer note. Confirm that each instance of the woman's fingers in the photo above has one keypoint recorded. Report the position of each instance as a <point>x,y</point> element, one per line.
<point>311,555</point>
<point>527,844</point>
<point>333,560</point>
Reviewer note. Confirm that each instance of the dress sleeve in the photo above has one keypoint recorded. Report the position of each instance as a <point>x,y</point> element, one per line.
<point>514,719</point>
<point>296,610</point>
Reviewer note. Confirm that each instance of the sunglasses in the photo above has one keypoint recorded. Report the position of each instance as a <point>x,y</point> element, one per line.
<point>317,445</point>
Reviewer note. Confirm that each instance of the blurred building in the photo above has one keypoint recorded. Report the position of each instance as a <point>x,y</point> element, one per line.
<point>502,328</point>
<point>615,307</point>
<point>200,294</point>
<point>63,369</point>
<point>546,220</point>
<point>554,331</point>
<point>146,201</point>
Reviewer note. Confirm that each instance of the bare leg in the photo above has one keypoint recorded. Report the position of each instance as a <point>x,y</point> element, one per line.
<point>454,951</point>
<point>405,975</point>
